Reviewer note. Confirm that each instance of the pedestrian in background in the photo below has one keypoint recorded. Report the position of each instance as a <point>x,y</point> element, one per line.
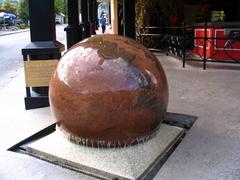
<point>102,23</point>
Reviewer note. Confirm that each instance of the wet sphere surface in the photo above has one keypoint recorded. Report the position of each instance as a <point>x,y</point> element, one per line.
<point>108,91</point>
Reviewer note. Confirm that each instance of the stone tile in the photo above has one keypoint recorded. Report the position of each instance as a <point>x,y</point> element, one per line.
<point>16,124</point>
<point>210,151</point>
<point>15,166</point>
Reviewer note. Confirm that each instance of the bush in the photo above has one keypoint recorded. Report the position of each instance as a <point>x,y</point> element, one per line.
<point>22,26</point>
<point>13,28</point>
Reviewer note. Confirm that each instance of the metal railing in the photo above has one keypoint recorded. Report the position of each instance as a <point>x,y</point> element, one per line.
<point>184,43</point>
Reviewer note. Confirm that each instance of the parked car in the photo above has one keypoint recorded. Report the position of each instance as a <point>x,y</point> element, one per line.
<point>59,19</point>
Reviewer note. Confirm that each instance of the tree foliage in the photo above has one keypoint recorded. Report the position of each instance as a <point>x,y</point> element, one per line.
<point>60,6</point>
<point>9,6</point>
<point>23,10</point>
<point>155,13</point>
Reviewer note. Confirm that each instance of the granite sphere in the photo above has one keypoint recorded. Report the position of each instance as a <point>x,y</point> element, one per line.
<point>108,91</point>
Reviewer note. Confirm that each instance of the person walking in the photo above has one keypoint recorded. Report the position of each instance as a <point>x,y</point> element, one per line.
<point>102,23</point>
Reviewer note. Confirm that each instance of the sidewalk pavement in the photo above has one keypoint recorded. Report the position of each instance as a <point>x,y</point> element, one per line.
<point>210,150</point>
<point>8,32</point>
<point>107,31</point>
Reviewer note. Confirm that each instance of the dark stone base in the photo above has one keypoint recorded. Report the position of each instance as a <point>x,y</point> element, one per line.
<point>36,102</point>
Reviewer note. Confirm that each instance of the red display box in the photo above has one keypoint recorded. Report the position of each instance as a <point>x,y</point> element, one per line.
<point>215,48</point>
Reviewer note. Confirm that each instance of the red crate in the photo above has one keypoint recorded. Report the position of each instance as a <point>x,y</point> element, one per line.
<point>215,49</point>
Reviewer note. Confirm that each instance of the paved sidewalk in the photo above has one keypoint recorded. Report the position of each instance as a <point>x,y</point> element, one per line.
<point>107,31</point>
<point>8,32</point>
<point>210,150</point>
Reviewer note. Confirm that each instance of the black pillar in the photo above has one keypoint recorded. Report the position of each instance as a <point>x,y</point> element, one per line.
<point>43,46</point>
<point>129,18</point>
<point>42,20</point>
<point>109,10</point>
<point>85,24</point>
<point>120,17</point>
<point>91,16</point>
<point>73,30</point>
<point>238,12</point>
<point>95,13</point>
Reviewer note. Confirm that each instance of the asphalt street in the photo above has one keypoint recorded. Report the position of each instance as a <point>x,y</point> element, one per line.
<point>11,62</point>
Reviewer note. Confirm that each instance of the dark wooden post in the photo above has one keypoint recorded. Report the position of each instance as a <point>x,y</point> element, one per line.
<point>120,16</point>
<point>129,18</point>
<point>95,14</point>
<point>237,11</point>
<point>73,30</point>
<point>85,24</point>
<point>109,10</point>
<point>43,49</point>
<point>42,20</point>
<point>91,16</point>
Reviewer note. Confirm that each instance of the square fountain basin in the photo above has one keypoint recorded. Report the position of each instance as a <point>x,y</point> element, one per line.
<point>133,162</point>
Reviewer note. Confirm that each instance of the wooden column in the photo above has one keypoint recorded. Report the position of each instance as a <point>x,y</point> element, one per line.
<point>114,16</point>
<point>73,30</point>
<point>85,23</point>
<point>42,20</point>
<point>120,16</point>
<point>43,50</point>
<point>91,17</point>
<point>95,14</point>
<point>129,18</point>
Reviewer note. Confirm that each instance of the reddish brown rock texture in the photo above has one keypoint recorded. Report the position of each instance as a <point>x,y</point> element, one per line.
<point>109,91</point>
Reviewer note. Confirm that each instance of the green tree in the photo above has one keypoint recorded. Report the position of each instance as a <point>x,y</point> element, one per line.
<point>23,10</point>
<point>9,6</point>
<point>60,6</point>
<point>154,13</point>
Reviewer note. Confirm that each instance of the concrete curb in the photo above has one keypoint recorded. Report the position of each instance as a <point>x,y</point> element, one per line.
<point>13,32</point>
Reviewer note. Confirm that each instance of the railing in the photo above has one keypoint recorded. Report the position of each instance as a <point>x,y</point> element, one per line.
<point>151,37</point>
<point>186,44</point>
<point>210,47</point>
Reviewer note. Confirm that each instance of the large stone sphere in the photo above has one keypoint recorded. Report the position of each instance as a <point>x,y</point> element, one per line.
<point>108,91</point>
